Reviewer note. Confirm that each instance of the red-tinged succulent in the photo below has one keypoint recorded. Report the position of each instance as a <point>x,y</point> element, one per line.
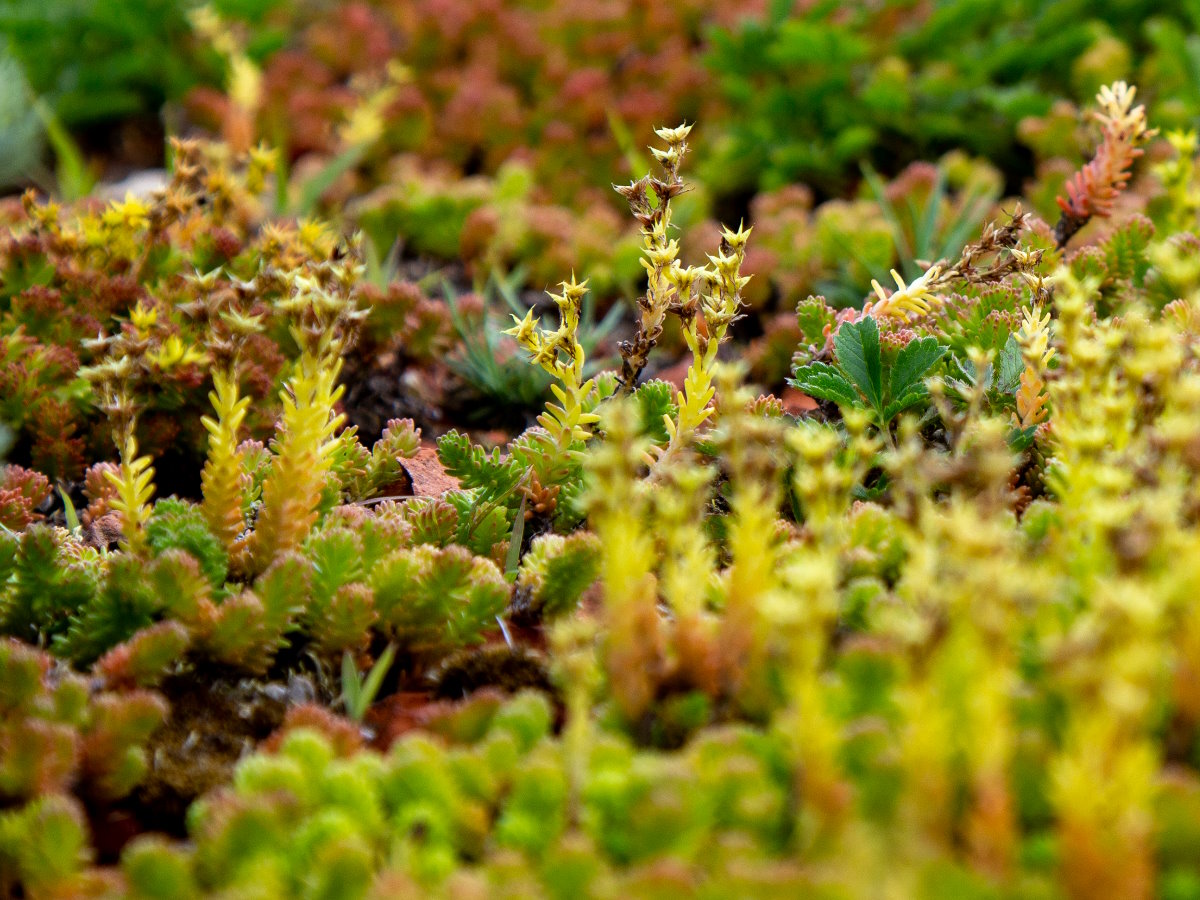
<point>63,747</point>
<point>1093,189</point>
<point>21,492</point>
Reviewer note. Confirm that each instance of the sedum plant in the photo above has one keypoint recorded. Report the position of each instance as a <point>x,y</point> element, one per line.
<point>67,751</point>
<point>563,357</point>
<point>819,88</point>
<point>286,548</point>
<point>933,638</point>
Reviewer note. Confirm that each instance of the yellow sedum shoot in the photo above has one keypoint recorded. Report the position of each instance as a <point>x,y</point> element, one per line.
<point>303,456</point>
<point>222,480</point>
<point>561,355</point>
<point>134,481</point>
<point>714,291</point>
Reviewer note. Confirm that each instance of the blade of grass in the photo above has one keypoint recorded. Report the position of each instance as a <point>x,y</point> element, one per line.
<point>75,181</point>
<point>625,142</point>
<point>312,189</point>
<point>927,221</point>
<point>886,207</point>
<point>513,559</point>
<point>374,680</point>
<point>72,517</point>
<point>351,685</point>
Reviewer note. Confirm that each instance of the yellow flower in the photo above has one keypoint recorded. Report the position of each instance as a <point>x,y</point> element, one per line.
<point>174,352</point>
<point>143,318</point>
<point>915,298</point>
<point>525,329</point>
<point>131,213</point>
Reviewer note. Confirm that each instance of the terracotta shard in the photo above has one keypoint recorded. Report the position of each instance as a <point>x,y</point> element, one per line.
<point>795,402</point>
<point>429,477</point>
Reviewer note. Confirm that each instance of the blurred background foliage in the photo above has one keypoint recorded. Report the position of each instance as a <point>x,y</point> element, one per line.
<point>853,137</point>
<point>821,86</point>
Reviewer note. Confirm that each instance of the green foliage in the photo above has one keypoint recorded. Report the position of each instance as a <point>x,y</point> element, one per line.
<point>862,377</point>
<point>486,358</point>
<point>113,749</point>
<point>125,603</point>
<point>1120,264</point>
<point>43,590</point>
<point>656,403</point>
<point>108,60</point>
<point>43,844</point>
<point>476,468</point>
<point>146,657</point>
<point>249,627</point>
<point>177,525</point>
<point>61,743</point>
<point>156,870</point>
<point>340,611</point>
<point>791,653</point>
<point>557,570</point>
<point>819,87</point>
<point>400,440</point>
<point>20,131</point>
<point>138,297</point>
<point>433,807</point>
<point>815,318</point>
<point>433,597</point>
<point>358,693</point>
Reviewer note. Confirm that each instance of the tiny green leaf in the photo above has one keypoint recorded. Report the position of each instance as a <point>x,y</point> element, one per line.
<point>1020,439</point>
<point>72,517</point>
<point>311,189</point>
<point>351,685</point>
<point>513,560</point>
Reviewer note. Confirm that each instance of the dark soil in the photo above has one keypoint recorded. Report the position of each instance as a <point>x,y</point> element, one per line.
<point>212,724</point>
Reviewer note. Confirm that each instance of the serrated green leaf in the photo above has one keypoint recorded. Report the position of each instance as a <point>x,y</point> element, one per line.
<point>857,348</point>
<point>912,364</point>
<point>908,401</point>
<point>823,382</point>
<point>1011,366</point>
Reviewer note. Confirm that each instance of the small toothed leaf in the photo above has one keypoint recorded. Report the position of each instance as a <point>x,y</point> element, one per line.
<point>823,382</point>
